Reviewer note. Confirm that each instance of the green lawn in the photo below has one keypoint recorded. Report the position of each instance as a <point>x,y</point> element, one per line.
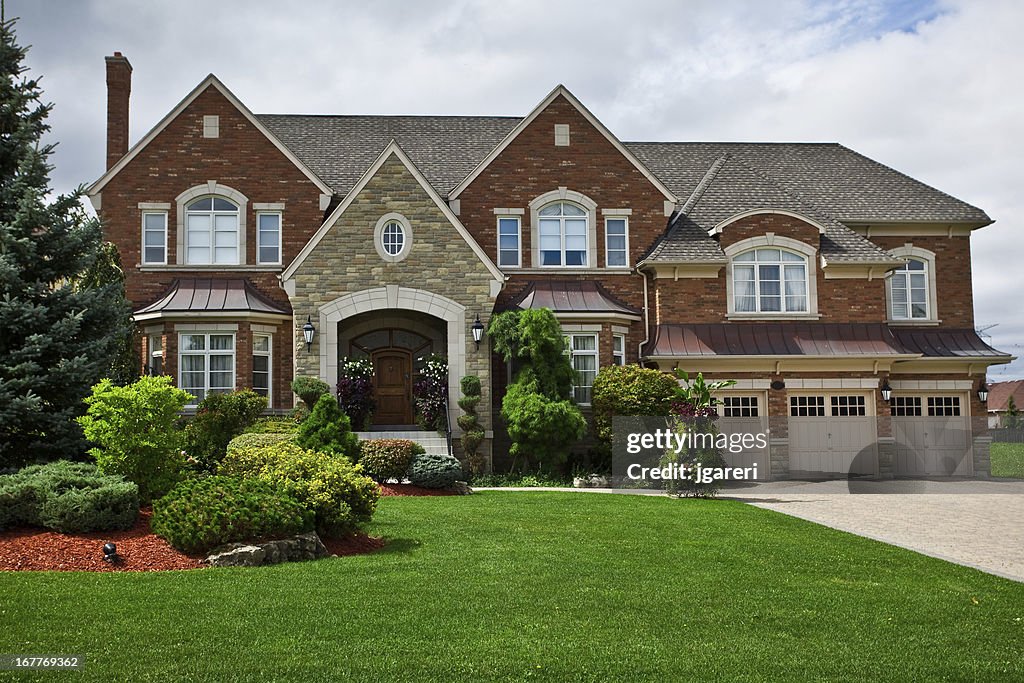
<point>1008,460</point>
<point>542,586</point>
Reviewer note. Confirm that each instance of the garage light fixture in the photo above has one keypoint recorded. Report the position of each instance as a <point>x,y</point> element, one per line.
<point>308,332</point>
<point>983,392</point>
<point>886,391</point>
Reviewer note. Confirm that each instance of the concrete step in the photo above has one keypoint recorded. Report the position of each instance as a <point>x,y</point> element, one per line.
<point>431,442</point>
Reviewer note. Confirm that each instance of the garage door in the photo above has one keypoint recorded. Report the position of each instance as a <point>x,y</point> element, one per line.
<point>832,434</point>
<point>933,436</point>
<point>745,414</point>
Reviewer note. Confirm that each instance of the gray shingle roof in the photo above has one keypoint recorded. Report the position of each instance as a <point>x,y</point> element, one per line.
<point>339,149</point>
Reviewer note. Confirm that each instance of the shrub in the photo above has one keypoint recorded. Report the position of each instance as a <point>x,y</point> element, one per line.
<point>629,390</point>
<point>355,390</point>
<point>472,432</point>
<point>273,425</point>
<point>434,471</point>
<point>309,389</point>
<point>68,497</point>
<point>258,440</point>
<point>219,418</point>
<point>431,394</point>
<point>328,430</point>
<point>384,459</point>
<point>335,490</point>
<point>201,514</point>
<point>542,429</point>
<point>135,433</point>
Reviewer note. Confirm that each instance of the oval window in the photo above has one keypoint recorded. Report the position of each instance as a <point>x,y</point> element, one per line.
<point>393,238</point>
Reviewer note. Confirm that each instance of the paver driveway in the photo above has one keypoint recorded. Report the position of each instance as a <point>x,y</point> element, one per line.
<point>975,523</point>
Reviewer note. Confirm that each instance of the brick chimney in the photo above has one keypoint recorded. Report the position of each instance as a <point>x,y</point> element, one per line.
<point>119,88</point>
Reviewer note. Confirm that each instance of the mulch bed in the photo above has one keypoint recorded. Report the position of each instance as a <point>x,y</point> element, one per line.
<point>141,550</point>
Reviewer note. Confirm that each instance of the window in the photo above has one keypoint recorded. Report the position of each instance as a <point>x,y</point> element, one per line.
<point>739,406</point>
<point>211,126</point>
<point>584,361</point>
<point>908,287</point>
<point>618,349</point>
<point>211,232</point>
<point>770,281</point>
<point>849,406</point>
<point>207,364</point>
<point>393,238</point>
<point>906,406</point>
<point>156,355</point>
<point>261,364</point>
<point>268,238</point>
<point>807,406</point>
<point>154,237</point>
<point>943,406</point>
<point>616,242</point>
<point>509,241</point>
<point>563,235</point>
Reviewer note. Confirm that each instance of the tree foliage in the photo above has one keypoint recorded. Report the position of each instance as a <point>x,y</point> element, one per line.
<point>61,320</point>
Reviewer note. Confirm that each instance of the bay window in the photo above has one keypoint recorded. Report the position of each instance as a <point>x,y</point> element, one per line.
<point>206,364</point>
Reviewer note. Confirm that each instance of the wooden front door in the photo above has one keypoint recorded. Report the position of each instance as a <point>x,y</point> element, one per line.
<point>392,384</point>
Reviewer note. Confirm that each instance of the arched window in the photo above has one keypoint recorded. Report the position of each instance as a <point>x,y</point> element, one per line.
<point>770,280</point>
<point>212,231</point>
<point>908,289</point>
<point>563,234</point>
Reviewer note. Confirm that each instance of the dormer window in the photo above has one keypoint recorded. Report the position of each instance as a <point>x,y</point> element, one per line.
<point>769,280</point>
<point>212,235</point>
<point>563,235</point>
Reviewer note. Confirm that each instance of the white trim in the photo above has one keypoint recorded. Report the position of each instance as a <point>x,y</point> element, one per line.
<point>519,238</point>
<point>229,315</point>
<point>931,384</point>
<point>280,236</point>
<point>616,212</point>
<point>771,240</point>
<point>581,328</point>
<point>378,237</point>
<point>625,219</point>
<point>753,212</point>
<point>215,327</point>
<point>155,206</point>
<point>567,195</point>
<point>207,353</point>
<point>153,212</point>
<point>212,189</point>
<point>595,354</point>
<point>268,206</point>
<point>395,149</point>
<point>561,90</point>
<point>908,251</point>
<point>622,351</point>
<point>750,385</point>
<point>508,212</point>
<point>269,353</point>
<point>263,329</point>
<point>832,383</point>
<point>209,81</point>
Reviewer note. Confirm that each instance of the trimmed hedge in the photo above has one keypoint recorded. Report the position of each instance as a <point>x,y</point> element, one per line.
<point>201,514</point>
<point>434,471</point>
<point>629,390</point>
<point>384,459</point>
<point>68,497</point>
<point>218,419</point>
<point>259,440</point>
<point>333,488</point>
<point>273,425</point>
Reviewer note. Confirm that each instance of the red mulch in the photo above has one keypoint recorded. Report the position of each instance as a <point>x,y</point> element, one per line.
<point>410,490</point>
<point>356,544</point>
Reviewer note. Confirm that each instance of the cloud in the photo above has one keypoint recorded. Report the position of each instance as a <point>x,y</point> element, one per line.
<point>925,87</point>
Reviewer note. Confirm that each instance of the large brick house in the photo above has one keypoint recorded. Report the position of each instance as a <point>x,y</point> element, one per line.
<point>818,279</point>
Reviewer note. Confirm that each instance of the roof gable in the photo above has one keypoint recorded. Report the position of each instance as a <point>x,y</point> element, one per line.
<point>210,81</point>
<point>561,91</point>
<point>392,149</point>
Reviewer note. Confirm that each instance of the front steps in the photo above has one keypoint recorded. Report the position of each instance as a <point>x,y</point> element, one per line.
<point>432,442</point>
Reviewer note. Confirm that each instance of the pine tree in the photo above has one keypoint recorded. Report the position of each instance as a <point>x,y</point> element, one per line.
<point>59,332</point>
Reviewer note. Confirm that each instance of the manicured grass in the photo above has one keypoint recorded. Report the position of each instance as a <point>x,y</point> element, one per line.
<point>1008,460</point>
<point>543,586</point>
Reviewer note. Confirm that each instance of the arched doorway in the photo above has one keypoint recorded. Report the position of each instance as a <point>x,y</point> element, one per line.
<point>392,386</point>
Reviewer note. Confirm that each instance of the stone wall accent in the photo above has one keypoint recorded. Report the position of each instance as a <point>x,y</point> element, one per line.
<point>301,547</point>
<point>982,457</point>
<point>779,455</point>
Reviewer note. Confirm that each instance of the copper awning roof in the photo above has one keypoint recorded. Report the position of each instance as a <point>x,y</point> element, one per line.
<point>573,296</point>
<point>935,342</point>
<point>773,339</point>
<point>210,295</point>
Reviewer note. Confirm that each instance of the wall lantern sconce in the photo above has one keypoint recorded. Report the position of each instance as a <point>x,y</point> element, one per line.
<point>886,391</point>
<point>308,332</point>
<point>478,330</point>
<point>983,392</point>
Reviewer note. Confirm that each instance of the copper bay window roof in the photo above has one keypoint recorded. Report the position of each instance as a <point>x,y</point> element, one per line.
<point>573,296</point>
<point>211,296</point>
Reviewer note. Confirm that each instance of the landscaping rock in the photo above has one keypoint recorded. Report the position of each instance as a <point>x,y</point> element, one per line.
<point>301,547</point>
<point>461,488</point>
<point>593,481</point>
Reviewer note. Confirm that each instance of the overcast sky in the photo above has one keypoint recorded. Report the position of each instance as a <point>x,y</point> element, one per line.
<point>933,89</point>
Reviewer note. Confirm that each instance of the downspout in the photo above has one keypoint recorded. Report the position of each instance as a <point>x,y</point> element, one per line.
<point>647,320</point>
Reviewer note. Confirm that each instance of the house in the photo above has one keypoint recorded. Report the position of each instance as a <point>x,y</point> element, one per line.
<point>821,281</point>
<point>999,395</point>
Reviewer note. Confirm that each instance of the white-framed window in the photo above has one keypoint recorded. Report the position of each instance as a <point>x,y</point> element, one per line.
<point>262,345</point>
<point>211,232</point>
<point>740,406</point>
<point>769,280</point>
<point>908,291</point>
<point>268,237</point>
<point>509,242</point>
<point>206,363</point>
<point>906,406</point>
<point>616,241</point>
<point>807,406</point>
<point>618,349</point>
<point>154,237</point>
<point>392,237</point>
<point>943,406</point>
<point>156,355</point>
<point>583,348</point>
<point>563,235</point>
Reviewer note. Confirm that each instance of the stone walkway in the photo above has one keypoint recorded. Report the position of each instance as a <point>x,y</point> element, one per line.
<point>979,524</point>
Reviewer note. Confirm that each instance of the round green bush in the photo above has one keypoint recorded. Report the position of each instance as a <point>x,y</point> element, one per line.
<point>259,440</point>
<point>68,497</point>
<point>629,390</point>
<point>201,514</point>
<point>332,487</point>
<point>434,471</point>
<point>273,425</point>
<point>309,389</point>
<point>384,459</point>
